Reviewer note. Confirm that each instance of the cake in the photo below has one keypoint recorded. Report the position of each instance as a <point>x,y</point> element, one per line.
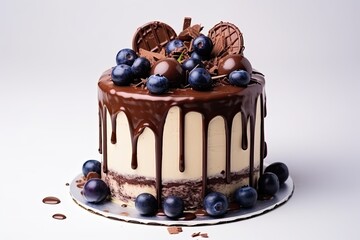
<point>188,140</point>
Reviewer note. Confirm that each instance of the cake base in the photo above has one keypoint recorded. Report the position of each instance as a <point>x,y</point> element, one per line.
<point>112,210</point>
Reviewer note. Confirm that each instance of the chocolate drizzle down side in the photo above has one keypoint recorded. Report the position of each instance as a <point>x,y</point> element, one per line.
<point>145,110</point>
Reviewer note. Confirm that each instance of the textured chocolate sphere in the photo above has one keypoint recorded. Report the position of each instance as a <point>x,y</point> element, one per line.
<point>171,69</point>
<point>234,62</point>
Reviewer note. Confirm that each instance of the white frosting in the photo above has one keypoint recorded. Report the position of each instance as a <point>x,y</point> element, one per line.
<point>119,154</point>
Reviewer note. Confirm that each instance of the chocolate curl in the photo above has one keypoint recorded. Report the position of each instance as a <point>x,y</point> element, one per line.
<point>152,56</point>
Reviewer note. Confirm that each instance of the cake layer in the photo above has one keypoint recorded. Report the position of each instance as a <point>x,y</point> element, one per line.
<point>184,142</point>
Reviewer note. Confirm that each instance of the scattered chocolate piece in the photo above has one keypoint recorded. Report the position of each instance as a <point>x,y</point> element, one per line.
<point>195,234</point>
<point>204,235</point>
<point>92,175</point>
<point>174,230</point>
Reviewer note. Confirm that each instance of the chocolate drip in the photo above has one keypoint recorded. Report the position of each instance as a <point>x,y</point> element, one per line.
<point>252,144</point>
<point>113,128</point>
<point>244,137</point>
<point>204,156</point>
<point>182,142</point>
<point>100,133</point>
<point>145,110</point>
<point>105,166</point>
<point>228,127</point>
<point>263,147</point>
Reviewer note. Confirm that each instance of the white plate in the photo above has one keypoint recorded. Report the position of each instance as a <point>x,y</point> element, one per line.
<point>115,211</point>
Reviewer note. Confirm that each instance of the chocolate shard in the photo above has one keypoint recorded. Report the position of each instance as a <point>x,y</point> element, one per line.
<point>152,56</point>
<point>187,23</point>
<point>190,33</point>
<point>174,230</point>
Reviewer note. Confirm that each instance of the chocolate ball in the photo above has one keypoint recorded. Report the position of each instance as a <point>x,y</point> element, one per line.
<point>234,62</point>
<point>171,69</point>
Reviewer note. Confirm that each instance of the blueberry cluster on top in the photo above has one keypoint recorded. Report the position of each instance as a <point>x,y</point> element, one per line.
<point>181,66</point>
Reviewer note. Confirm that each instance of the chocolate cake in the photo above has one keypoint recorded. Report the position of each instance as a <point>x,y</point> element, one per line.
<point>188,139</point>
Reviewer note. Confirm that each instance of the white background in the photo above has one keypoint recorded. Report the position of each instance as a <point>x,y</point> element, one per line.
<point>53,52</point>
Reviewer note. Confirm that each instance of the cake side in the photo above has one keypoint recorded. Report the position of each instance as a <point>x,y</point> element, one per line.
<point>185,142</point>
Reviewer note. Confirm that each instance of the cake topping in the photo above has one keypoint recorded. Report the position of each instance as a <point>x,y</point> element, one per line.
<point>219,53</point>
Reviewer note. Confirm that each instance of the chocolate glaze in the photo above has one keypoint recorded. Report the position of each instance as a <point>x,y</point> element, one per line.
<point>51,200</point>
<point>145,110</point>
<point>59,216</point>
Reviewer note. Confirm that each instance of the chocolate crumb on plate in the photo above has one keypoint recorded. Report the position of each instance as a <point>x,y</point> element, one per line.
<point>174,230</point>
<point>204,235</point>
<point>195,234</point>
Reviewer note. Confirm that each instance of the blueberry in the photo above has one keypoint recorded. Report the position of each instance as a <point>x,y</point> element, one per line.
<point>200,79</point>
<point>268,184</point>
<point>157,84</point>
<point>246,196</point>
<point>95,190</point>
<point>141,67</point>
<point>146,204</point>
<point>190,63</point>
<point>216,204</point>
<point>91,166</point>
<point>195,55</point>
<point>173,207</point>
<point>122,75</point>
<point>240,78</point>
<point>203,46</point>
<point>126,56</point>
<point>173,45</point>
<point>280,170</point>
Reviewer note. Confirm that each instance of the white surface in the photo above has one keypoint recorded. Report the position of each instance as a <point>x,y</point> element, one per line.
<point>52,53</point>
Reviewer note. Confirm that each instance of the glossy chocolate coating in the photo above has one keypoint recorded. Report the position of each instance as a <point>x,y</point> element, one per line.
<point>234,62</point>
<point>171,69</point>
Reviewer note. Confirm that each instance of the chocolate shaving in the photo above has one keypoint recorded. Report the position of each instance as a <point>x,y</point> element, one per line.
<point>152,56</point>
<point>190,32</point>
